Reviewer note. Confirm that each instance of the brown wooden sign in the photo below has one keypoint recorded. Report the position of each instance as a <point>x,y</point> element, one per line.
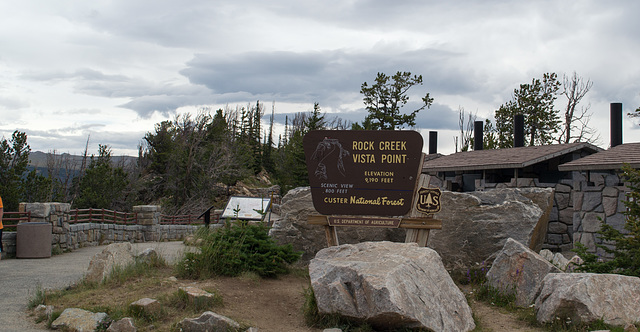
<point>364,221</point>
<point>363,172</point>
<point>428,200</point>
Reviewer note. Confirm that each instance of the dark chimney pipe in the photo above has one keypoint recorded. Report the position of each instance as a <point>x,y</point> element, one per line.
<point>477,136</point>
<point>433,142</point>
<point>616,124</point>
<point>518,131</point>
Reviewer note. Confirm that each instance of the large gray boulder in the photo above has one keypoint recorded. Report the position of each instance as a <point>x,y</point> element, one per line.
<point>103,263</point>
<point>476,225</point>
<point>389,285</point>
<point>80,320</point>
<point>208,321</point>
<point>519,270</point>
<point>588,297</point>
<point>292,227</point>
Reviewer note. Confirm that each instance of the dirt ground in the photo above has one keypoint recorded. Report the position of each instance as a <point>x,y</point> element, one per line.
<point>276,305</point>
<point>492,318</point>
<point>271,305</point>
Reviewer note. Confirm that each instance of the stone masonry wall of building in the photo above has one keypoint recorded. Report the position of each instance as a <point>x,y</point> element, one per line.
<point>596,200</point>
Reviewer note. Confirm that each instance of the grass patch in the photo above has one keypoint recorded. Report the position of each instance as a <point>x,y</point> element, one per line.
<point>40,297</point>
<point>115,294</point>
<point>497,297</point>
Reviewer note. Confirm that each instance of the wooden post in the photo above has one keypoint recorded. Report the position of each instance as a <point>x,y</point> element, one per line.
<point>332,235</point>
<point>419,236</point>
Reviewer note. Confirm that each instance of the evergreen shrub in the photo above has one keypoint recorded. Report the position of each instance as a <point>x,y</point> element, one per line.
<point>236,248</point>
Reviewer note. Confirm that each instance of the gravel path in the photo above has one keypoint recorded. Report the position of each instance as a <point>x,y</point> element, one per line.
<point>20,278</point>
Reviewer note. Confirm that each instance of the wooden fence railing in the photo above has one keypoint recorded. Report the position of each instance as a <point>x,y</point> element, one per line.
<point>184,219</point>
<point>101,216</point>
<point>11,219</point>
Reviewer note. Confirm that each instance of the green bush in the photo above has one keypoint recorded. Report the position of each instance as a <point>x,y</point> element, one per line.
<point>238,247</point>
<point>626,245</point>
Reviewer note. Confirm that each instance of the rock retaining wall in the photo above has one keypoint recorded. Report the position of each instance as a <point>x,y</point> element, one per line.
<point>69,236</point>
<point>597,199</point>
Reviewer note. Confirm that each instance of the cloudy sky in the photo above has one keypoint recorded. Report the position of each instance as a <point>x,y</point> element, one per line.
<point>108,71</point>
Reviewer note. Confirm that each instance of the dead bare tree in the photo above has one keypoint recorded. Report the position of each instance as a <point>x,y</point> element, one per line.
<point>83,167</point>
<point>575,127</point>
<point>464,141</point>
<point>61,169</point>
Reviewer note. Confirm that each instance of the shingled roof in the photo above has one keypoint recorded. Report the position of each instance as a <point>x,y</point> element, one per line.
<point>613,158</point>
<point>503,158</point>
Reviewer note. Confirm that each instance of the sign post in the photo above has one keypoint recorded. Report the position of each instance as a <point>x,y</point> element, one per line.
<point>370,179</point>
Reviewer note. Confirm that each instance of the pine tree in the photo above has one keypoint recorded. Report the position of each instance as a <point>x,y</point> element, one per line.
<point>534,101</point>
<point>385,98</point>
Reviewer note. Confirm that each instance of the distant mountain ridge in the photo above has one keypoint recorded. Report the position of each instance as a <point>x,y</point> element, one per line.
<point>39,160</point>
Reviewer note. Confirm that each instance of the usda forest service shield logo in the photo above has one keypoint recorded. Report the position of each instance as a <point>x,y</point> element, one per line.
<point>429,200</point>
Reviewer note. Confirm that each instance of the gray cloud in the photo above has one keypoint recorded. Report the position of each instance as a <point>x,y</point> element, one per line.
<point>154,57</point>
<point>12,103</point>
<point>324,76</point>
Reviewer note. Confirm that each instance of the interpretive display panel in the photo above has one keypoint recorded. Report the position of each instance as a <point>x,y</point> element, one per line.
<point>246,208</point>
<point>363,172</point>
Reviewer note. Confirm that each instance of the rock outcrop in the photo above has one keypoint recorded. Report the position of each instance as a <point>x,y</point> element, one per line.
<point>114,255</point>
<point>561,262</point>
<point>148,307</point>
<point>476,225</point>
<point>588,297</point>
<point>123,325</point>
<point>389,285</point>
<point>292,227</point>
<point>149,256</point>
<point>197,295</point>
<point>74,319</point>
<point>519,270</point>
<point>208,321</point>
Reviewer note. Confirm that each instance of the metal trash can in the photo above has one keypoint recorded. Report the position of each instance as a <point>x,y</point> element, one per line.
<point>33,240</point>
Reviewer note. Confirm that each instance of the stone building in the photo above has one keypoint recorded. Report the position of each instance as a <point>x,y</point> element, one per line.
<point>599,191</point>
<point>587,183</point>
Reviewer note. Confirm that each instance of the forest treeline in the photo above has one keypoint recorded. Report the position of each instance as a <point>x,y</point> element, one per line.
<point>185,164</point>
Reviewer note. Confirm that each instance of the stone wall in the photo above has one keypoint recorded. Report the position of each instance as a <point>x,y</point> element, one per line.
<point>598,199</point>
<point>69,236</point>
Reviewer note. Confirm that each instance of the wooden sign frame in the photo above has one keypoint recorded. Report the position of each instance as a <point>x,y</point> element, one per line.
<point>363,172</point>
<point>417,222</point>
